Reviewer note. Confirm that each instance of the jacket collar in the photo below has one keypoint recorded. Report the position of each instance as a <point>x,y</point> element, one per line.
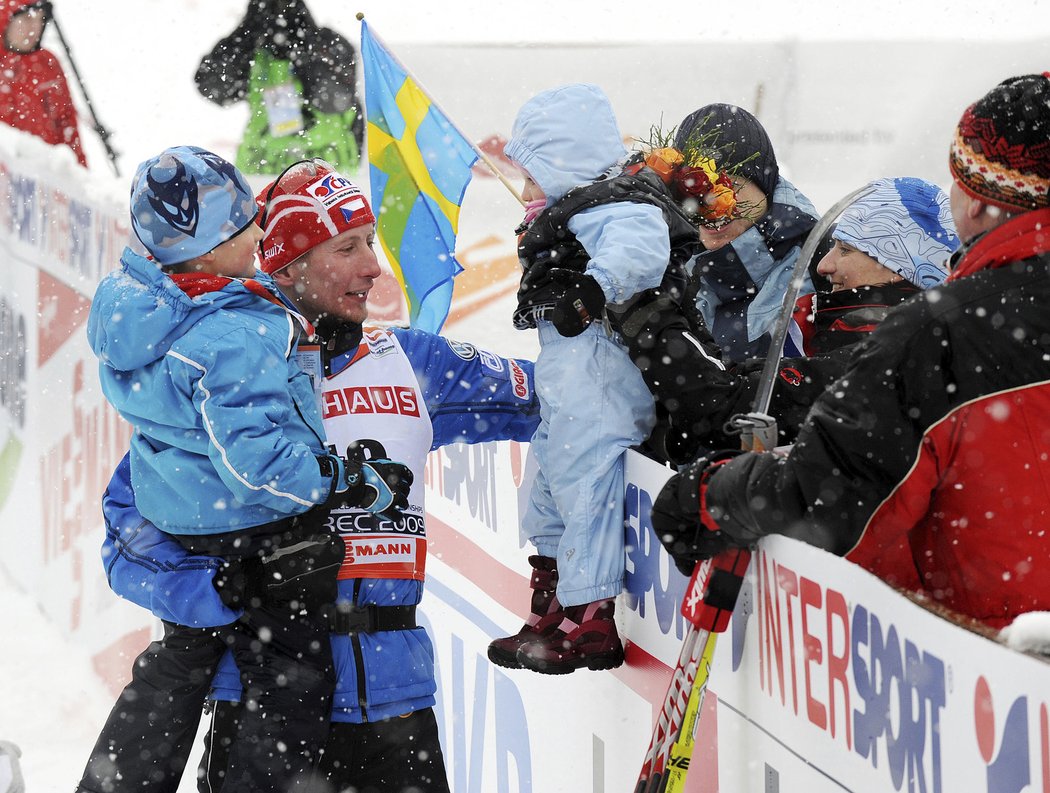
<point>1021,238</point>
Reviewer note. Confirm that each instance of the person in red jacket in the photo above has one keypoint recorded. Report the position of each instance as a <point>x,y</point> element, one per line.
<point>34,95</point>
<point>927,462</point>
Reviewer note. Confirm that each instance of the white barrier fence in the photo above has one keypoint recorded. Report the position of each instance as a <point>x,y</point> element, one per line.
<point>826,681</point>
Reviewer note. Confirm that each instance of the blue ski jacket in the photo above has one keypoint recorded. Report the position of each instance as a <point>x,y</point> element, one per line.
<point>470,396</point>
<point>227,427</point>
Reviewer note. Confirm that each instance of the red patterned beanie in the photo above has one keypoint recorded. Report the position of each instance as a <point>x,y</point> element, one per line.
<point>1001,151</point>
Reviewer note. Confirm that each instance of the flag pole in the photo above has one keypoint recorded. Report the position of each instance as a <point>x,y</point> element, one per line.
<point>481,155</point>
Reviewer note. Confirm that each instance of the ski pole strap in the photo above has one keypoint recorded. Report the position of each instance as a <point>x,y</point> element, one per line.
<point>713,590</point>
<point>349,619</point>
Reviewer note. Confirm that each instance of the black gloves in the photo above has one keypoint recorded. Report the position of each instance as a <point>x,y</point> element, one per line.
<point>678,520</point>
<point>300,574</point>
<point>581,304</point>
<point>239,583</point>
<point>374,482</point>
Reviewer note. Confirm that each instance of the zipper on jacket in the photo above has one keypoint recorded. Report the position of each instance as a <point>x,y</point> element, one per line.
<point>359,660</point>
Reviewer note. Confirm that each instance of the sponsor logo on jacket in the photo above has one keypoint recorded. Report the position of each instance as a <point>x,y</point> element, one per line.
<point>520,380</point>
<point>392,399</point>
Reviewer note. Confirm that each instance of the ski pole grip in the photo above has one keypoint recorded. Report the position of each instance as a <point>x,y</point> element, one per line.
<point>713,590</point>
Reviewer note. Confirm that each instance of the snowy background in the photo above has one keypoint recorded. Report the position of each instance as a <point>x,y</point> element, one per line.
<point>900,72</point>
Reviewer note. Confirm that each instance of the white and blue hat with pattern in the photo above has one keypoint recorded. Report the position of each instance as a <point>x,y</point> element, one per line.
<point>906,225</point>
<point>187,201</point>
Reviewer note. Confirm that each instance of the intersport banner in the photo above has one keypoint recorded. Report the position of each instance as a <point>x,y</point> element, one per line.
<point>827,680</point>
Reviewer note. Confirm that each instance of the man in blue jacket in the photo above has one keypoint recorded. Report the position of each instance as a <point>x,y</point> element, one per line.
<point>405,392</point>
<point>228,456</point>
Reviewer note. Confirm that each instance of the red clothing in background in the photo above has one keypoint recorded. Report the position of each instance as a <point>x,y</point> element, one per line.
<point>34,95</point>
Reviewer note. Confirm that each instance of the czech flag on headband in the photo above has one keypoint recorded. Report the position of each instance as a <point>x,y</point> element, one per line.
<point>419,168</point>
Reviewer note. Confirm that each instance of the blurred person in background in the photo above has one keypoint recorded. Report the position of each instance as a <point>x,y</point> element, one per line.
<point>11,780</point>
<point>34,94</point>
<point>299,82</point>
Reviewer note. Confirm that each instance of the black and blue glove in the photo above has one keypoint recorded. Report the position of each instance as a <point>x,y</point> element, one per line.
<point>373,482</point>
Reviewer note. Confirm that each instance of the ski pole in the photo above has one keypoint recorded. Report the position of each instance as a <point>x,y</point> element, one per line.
<point>707,607</point>
<point>101,131</point>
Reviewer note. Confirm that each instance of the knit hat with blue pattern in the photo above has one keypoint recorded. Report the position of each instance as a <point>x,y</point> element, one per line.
<point>906,225</point>
<point>187,201</point>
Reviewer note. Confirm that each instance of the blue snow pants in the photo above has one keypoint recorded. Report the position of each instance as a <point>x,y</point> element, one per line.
<point>594,405</point>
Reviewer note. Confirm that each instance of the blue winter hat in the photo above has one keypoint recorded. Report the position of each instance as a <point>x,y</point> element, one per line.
<point>906,225</point>
<point>187,201</point>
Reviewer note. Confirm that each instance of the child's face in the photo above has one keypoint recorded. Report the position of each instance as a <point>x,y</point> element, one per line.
<point>234,258</point>
<point>531,191</point>
<point>24,31</point>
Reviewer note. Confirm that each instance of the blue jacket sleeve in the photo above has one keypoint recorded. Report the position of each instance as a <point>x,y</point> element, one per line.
<point>629,245</point>
<point>471,395</point>
<point>149,568</point>
<point>243,394</point>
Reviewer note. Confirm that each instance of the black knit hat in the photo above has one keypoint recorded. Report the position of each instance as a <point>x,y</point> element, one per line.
<point>1001,151</point>
<point>740,137</point>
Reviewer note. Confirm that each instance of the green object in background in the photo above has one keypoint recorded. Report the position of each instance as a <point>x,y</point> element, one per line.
<point>281,131</point>
<point>10,455</point>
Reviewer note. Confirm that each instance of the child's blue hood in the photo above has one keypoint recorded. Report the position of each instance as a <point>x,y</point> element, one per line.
<point>138,312</point>
<point>566,137</point>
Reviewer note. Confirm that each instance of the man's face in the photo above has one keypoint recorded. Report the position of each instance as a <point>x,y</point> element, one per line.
<point>751,205</point>
<point>333,280</point>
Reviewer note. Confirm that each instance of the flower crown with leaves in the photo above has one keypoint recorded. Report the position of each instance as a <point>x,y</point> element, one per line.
<point>705,192</point>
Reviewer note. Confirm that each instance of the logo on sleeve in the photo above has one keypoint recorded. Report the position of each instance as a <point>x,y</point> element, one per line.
<point>519,380</point>
<point>790,374</point>
<point>468,352</point>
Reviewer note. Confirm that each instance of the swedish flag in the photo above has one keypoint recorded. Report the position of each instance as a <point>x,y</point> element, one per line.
<point>419,168</point>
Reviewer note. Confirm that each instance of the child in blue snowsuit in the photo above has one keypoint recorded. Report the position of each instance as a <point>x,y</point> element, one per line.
<point>592,236</point>
<point>228,455</point>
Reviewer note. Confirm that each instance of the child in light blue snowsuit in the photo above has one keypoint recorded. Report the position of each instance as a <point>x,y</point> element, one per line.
<point>592,235</point>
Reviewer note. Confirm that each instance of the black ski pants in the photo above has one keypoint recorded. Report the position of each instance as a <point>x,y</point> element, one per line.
<point>398,755</point>
<point>284,655</point>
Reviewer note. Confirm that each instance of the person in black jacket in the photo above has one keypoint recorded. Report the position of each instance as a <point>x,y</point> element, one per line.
<point>886,247</point>
<point>300,82</point>
<point>741,268</point>
<point>927,463</point>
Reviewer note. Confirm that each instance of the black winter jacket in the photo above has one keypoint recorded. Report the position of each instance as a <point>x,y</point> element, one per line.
<point>698,395</point>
